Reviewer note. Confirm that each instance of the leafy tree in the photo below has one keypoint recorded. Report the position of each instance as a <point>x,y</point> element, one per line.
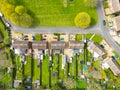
<point>14,18</point>
<point>7,9</point>
<point>21,87</point>
<point>20,9</point>
<point>25,20</point>
<point>82,20</point>
<point>70,83</point>
<point>7,41</point>
<point>91,3</point>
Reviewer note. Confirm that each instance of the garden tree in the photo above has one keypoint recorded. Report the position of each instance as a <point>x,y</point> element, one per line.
<point>20,10</point>
<point>70,83</point>
<point>7,9</point>
<point>56,87</point>
<point>9,1</point>
<point>91,3</point>
<point>82,20</point>
<point>25,20</point>
<point>14,18</point>
<point>20,87</point>
<point>93,86</point>
<point>7,40</point>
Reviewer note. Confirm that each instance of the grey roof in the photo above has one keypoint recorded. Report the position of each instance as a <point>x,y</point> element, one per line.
<point>20,44</point>
<point>57,45</point>
<point>76,45</point>
<point>117,23</point>
<point>115,68</point>
<point>39,45</point>
<point>114,5</point>
<point>94,47</point>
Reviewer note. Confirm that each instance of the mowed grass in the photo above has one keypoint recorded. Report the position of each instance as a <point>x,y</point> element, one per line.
<point>27,67</point>
<point>36,75</point>
<point>53,12</point>
<point>45,71</point>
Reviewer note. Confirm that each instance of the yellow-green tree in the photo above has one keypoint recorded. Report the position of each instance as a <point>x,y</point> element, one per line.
<point>15,18</point>
<point>7,9</point>
<point>82,20</point>
<point>25,20</point>
<point>91,3</point>
<point>20,9</point>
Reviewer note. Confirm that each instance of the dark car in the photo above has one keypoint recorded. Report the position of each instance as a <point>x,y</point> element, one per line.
<point>25,38</point>
<point>25,35</point>
<point>104,22</point>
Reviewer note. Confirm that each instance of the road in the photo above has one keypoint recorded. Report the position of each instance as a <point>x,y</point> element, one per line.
<point>99,28</point>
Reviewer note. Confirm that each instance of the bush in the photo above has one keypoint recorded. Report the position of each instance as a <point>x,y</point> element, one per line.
<point>25,20</point>
<point>1,45</point>
<point>82,20</point>
<point>20,10</point>
<point>105,4</point>
<point>91,3</point>
<point>78,37</point>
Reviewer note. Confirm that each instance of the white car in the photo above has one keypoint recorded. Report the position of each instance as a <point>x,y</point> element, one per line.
<point>41,57</point>
<point>7,24</point>
<point>1,15</point>
<point>50,58</point>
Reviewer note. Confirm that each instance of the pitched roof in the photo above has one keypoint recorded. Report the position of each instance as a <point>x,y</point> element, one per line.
<point>76,45</point>
<point>117,23</point>
<point>57,45</point>
<point>114,6</point>
<point>20,44</point>
<point>115,68</point>
<point>94,47</point>
<point>39,45</point>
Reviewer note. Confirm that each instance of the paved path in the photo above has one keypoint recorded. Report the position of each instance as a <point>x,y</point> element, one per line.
<point>98,29</point>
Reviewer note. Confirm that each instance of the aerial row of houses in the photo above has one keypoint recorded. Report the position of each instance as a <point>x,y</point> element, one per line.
<point>114,9</point>
<point>22,46</point>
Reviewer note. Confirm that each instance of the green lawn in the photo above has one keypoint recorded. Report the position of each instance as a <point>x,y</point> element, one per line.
<point>62,75</point>
<point>81,84</point>
<point>97,38</point>
<point>2,29</point>
<point>27,67</point>
<point>54,70</point>
<point>78,37</point>
<point>53,12</point>
<point>18,66</point>
<point>45,72</point>
<point>36,75</point>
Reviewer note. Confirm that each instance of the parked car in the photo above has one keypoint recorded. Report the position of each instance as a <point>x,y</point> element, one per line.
<point>7,25</point>
<point>33,37</point>
<point>43,39</point>
<point>50,58</point>
<point>104,22</point>
<point>61,39</point>
<point>41,57</point>
<point>25,38</point>
<point>25,35</point>
<point>1,15</point>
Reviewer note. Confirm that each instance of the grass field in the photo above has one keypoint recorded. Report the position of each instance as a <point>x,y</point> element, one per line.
<point>53,12</point>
